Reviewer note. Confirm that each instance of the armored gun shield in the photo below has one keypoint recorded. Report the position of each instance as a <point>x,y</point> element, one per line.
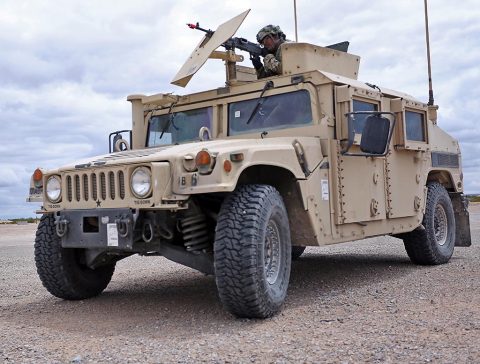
<point>204,49</point>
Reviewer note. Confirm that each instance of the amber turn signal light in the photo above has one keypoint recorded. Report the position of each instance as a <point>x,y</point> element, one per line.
<point>204,162</point>
<point>227,166</point>
<point>38,177</point>
<point>203,159</point>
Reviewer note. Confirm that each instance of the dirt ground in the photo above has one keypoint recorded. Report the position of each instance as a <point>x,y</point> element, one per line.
<point>348,303</point>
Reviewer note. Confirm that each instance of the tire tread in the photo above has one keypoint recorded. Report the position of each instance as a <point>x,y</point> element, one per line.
<point>236,266</point>
<point>55,266</point>
<point>420,244</point>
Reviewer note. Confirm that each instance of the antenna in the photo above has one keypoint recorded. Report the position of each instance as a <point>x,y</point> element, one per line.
<point>295,15</point>
<point>430,87</point>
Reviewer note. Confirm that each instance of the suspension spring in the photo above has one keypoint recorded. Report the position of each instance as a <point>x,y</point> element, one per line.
<point>195,233</point>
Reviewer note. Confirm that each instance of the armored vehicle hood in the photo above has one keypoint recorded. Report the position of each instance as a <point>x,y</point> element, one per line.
<point>173,152</point>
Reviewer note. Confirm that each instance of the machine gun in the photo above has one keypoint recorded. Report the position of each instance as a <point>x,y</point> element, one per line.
<point>254,49</point>
<point>235,43</point>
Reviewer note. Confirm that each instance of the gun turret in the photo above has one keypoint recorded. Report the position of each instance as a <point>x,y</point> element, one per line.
<point>223,36</point>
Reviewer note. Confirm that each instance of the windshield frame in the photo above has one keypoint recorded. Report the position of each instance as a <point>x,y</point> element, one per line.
<point>220,104</point>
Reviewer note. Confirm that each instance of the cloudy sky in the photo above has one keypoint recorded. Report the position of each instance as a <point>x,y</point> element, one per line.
<point>66,67</point>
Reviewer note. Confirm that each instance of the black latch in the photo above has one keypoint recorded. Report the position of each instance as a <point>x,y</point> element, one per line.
<point>297,79</point>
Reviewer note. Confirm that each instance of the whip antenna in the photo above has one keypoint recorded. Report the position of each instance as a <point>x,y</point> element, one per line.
<point>295,15</point>
<point>430,86</point>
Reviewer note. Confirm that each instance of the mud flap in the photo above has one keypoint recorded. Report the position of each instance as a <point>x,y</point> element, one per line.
<point>462,220</point>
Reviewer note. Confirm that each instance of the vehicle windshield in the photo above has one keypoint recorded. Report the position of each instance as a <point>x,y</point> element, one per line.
<point>178,127</point>
<point>288,110</point>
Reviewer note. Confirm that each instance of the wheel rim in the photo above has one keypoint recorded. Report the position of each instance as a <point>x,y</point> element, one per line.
<point>440,225</point>
<point>272,252</point>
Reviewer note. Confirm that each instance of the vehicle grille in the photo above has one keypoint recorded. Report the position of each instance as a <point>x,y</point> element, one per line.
<point>121,182</point>
<point>103,186</point>
<point>82,187</point>
<point>85,190</point>
<point>77,188</point>
<point>111,180</point>
<point>94,187</point>
<point>69,188</point>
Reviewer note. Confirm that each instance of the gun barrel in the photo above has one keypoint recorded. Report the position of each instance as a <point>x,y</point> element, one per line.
<point>197,26</point>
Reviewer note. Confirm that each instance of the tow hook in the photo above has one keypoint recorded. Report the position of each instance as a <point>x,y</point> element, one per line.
<point>147,232</point>
<point>61,226</point>
<point>123,226</point>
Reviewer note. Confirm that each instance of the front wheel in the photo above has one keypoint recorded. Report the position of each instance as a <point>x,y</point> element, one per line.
<point>62,271</point>
<point>435,243</point>
<point>253,252</point>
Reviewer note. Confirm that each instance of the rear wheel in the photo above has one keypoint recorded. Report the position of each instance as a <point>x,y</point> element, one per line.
<point>253,252</point>
<point>61,270</point>
<point>435,243</point>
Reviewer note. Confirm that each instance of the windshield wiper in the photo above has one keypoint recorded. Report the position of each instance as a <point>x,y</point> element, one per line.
<point>171,116</point>
<point>260,101</point>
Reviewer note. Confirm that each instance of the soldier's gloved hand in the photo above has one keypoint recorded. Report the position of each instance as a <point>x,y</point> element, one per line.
<point>271,64</point>
<point>257,64</point>
<point>268,57</point>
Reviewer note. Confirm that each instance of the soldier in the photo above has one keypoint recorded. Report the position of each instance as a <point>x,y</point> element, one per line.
<point>271,37</point>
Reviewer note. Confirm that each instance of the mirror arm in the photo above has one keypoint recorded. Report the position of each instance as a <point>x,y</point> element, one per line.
<point>117,133</point>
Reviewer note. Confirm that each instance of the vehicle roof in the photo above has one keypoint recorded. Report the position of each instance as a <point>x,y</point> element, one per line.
<point>317,77</point>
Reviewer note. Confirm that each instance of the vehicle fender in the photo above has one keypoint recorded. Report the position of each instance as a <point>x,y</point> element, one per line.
<point>275,152</point>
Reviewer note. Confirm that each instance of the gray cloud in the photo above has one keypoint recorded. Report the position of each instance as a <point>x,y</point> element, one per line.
<point>66,70</point>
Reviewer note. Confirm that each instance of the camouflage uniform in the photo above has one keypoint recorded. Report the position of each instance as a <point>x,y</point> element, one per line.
<point>272,63</point>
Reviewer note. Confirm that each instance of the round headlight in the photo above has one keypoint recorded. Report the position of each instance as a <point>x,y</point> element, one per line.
<point>141,182</point>
<point>54,189</point>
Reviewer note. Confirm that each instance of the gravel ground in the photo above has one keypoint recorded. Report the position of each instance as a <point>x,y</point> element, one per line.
<point>353,302</point>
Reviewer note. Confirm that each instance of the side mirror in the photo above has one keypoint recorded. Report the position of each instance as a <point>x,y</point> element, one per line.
<point>117,141</point>
<point>376,134</point>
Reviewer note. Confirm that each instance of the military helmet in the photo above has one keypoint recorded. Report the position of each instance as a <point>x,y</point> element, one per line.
<point>269,30</point>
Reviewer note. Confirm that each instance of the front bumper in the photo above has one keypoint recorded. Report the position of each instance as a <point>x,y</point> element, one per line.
<point>111,229</point>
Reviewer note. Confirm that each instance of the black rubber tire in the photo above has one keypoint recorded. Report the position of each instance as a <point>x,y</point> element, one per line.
<point>423,245</point>
<point>240,256</point>
<point>297,251</point>
<point>60,269</point>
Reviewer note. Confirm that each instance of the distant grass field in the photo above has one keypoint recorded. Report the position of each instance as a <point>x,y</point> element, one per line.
<point>28,220</point>
<point>475,198</point>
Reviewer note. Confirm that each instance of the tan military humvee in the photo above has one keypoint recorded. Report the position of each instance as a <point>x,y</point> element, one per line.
<point>237,181</point>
